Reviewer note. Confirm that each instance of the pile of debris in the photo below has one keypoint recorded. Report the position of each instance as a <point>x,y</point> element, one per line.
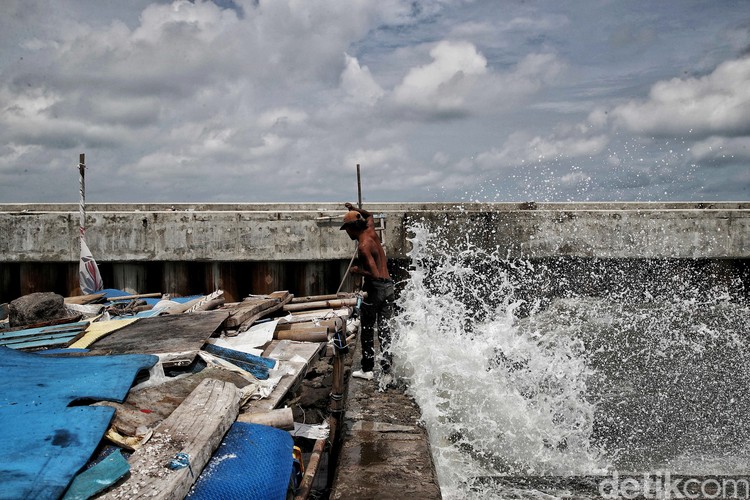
<point>122,395</point>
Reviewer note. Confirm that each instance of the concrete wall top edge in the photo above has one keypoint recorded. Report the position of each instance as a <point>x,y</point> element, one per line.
<point>22,208</point>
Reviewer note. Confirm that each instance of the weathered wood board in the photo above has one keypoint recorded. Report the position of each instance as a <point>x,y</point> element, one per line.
<point>181,333</point>
<point>284,352</point>
<point>145,408</point>
<point>196,428</point>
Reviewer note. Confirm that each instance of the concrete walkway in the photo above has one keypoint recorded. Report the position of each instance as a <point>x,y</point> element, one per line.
<point>385,454</point>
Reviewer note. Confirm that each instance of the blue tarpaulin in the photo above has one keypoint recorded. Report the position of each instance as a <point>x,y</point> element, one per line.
<point>253,462</point>
<point>45,441</point>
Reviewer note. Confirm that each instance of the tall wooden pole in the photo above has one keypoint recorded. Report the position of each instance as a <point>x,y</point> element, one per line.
<point>359,188</point>
<point>88,273</point>
<point>82,192</point>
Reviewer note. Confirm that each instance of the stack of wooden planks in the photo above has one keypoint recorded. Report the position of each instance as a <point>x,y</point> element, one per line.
<point>164,417</point>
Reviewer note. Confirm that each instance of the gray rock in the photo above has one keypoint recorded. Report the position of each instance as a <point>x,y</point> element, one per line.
<point>36,308</point>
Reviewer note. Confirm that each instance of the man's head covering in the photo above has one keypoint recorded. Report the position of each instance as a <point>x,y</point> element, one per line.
<point>350,218</point>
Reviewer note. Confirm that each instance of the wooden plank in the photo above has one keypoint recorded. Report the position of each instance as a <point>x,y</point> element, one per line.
<point>196,428</point>
<point>249,322</point>
<point>284,351</point>
<point>245,310</point>
<point>181,333</point>
<point>282,295</point>
<point>146,407</point>
<point>254,308</point>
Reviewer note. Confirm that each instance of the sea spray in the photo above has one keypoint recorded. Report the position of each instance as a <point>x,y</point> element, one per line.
<point>643,374</point>
<point>495,399</point>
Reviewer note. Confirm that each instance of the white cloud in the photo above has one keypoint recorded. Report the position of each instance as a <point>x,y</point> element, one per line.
<point>390,157</point>
<point>442,85</point>
<point>718,103</point>
<point>358,83</point>
<point>426,95</point>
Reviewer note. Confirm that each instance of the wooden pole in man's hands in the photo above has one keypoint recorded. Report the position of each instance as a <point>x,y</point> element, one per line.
<point>356,243</point>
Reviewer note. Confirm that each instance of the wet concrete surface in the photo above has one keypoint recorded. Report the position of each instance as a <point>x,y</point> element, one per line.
<point>385,451</point>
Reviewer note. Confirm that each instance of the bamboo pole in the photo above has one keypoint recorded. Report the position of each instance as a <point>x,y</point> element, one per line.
<point>137,296</point>
<point>312,465</point>
<point>320,305</point>
<point>337,383</point>
<point>316,298</point>
<point>337,409</point>
<point>311,470</point>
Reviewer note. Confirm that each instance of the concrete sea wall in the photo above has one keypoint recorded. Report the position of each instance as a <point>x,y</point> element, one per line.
<point>190,246</point>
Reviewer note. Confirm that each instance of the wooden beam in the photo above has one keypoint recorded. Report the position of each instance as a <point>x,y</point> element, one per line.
<point>283,299</point>
<point>196,427</point>
<point>245,310</point>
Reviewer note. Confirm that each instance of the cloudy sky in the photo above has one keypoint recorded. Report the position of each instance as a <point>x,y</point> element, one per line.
<point>438,100</point>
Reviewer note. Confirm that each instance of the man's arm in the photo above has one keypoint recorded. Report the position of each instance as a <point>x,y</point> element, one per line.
<point>364,213</point>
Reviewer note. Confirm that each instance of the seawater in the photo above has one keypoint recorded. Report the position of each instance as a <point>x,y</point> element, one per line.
<point>650,375</point>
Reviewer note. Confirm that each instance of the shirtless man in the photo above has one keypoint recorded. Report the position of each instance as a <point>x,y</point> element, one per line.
<point>377,308</point>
